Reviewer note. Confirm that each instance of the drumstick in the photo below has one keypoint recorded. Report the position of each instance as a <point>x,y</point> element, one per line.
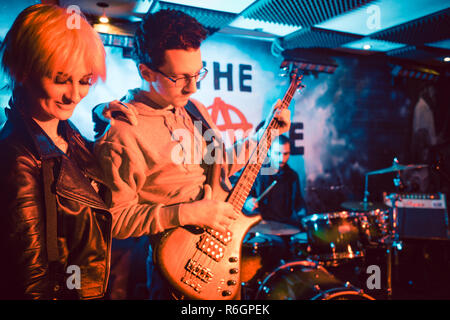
<point>266,191</point>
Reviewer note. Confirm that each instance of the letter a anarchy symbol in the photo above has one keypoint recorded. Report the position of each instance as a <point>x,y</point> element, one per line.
<point>224,109</point>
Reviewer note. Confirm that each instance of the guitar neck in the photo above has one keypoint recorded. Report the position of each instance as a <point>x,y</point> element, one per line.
<point>245,182</point>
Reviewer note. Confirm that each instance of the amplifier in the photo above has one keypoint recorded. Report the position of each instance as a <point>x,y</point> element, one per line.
<point>421,216</point>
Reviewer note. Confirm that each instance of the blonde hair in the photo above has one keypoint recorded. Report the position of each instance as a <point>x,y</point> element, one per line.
<point>41,43</point>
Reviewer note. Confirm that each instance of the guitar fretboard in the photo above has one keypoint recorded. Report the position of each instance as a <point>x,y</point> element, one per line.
<point>245,182</point>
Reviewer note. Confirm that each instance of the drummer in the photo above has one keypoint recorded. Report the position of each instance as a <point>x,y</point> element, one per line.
<point>276,193</point>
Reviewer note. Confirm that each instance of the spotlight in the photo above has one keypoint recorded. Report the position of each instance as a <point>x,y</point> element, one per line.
<point>447,59</point>
<point>367,46</point>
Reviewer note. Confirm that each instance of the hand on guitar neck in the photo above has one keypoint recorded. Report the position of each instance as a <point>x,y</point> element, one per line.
<point>215,214</point>
<point>283,118</point>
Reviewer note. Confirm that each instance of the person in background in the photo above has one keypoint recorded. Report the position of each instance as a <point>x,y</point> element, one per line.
<point>55,229</point>
<point>277,196</point>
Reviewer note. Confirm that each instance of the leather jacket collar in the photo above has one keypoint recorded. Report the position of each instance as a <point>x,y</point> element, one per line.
<point>43,145</point>
<point>71,182</point>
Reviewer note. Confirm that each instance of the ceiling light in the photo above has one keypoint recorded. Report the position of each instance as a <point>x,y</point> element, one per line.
<point>373,45</point>
<point>103,18</point>
<point>447,59</point>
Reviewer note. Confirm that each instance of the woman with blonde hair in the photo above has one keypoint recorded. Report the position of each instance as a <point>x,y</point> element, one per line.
<point>55,230</point>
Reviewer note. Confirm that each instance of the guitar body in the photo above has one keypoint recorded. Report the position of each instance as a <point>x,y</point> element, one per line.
<point>191,270</point>
<point>218,279</point>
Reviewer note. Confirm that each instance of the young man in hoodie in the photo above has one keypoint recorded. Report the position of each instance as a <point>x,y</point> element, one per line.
<point>157,169</point>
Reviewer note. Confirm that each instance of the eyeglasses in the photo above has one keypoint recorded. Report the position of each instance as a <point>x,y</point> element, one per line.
<point>186,80</point>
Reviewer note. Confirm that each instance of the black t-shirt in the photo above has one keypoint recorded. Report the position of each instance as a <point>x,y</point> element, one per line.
<point>283,200</point>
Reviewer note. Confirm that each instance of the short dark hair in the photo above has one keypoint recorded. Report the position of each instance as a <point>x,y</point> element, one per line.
<point>282,139</point>
<point>165,30</point>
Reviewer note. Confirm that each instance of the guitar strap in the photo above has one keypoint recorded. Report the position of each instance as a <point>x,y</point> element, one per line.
<point>196,115</point>
<point>212,170</point>
<point>51,227</point>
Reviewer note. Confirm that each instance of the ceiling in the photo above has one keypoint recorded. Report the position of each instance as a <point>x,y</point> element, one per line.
<point>417,31</point>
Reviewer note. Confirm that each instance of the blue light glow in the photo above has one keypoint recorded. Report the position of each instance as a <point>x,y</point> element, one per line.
<point>373,45</point>
<point>142,6</point>
<point>269,27</point>
<point>232,6</point>
<point>444,44</point>
<point>382,14</point>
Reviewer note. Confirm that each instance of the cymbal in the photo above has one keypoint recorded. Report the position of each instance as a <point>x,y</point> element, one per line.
<point>363,206</point>
<point>274,228</point>
<point>398,167</point>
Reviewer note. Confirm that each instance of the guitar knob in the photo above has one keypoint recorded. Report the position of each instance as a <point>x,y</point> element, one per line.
<point>226,293</point>
<point>233,259</point>
<point>234,270</point>
<point>231,282</point>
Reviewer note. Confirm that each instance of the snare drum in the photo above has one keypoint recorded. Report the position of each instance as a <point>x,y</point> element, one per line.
<point>334,236</point>
<point>306,280</point>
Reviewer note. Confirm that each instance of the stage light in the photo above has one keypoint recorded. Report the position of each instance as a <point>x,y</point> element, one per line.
<point>367,46</point>
<point>447,59</point>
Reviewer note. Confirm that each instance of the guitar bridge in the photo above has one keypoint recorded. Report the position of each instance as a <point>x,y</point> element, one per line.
<point>192,283</point>
<point>199,271</point>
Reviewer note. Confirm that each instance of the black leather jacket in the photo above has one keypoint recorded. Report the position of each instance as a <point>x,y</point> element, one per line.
<point>83,220</point>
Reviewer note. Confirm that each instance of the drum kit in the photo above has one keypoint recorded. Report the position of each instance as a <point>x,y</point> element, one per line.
<point>282,262</point>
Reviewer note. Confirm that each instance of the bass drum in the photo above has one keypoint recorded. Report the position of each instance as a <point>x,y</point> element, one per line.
<point>306,280</point>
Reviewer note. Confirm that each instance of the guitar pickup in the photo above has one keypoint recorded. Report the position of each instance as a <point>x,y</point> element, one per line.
<point>199,271</point>
<point>211,247</point>
<point>223,238</point>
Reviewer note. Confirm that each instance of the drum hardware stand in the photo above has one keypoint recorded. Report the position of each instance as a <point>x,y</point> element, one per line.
<point>351,286</point>
<point>366,192</point>
<point>393,243</point>
<point>390,241</point>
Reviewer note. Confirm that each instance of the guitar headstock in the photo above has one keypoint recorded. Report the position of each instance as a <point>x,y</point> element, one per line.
<point>295,74</point>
